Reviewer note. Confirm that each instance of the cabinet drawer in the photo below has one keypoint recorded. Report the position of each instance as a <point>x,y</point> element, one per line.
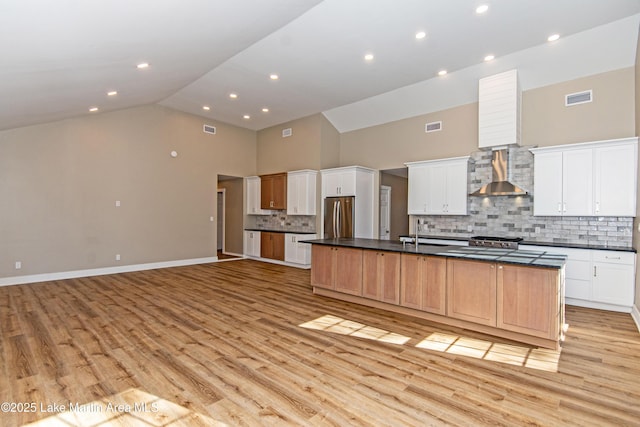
<point>613,257</point>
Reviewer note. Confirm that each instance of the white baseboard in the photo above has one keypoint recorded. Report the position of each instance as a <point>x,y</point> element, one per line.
<point>597,305</point>
<point>19,280</point>
<point>635,314</point>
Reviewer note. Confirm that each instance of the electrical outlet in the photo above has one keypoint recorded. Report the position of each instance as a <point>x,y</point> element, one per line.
<point>117,257</point>
<point>18,265</point>
<point>211,218</point>
<point>117,203</point>
<point>469,228</point>
<point>537,230</point>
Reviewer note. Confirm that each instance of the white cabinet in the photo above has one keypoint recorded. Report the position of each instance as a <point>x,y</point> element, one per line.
<point>253,196</point>
<point>252,243</point>
<point>590,179</point>
<point>597,278</point>
<point>499,110</point>
<point>338,182</point>
<point>613,277</point>
<point>438,187</point>
<point>296,252</point>
<point>353,181</point>
<point>301,192</point>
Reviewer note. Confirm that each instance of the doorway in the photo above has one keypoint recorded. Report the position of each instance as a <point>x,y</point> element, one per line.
<point>397,181</point>
<point>230,219</point>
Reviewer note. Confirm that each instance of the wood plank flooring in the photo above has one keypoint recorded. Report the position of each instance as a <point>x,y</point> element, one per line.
<point>247,343</point>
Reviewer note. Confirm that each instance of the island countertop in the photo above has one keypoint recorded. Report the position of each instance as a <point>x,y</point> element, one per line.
<point>508,256</point>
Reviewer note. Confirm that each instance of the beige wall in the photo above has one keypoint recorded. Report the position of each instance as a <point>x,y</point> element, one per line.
<point>233,225</point>
<point>311,145</point>
<point>636,223</point>
<point>59,183</point>
<point>545,121</point>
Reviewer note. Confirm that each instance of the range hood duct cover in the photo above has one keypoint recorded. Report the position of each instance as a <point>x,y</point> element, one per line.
<point>499,186</point>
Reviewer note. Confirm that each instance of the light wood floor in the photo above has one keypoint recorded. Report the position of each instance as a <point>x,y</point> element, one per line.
<point>246,343</point>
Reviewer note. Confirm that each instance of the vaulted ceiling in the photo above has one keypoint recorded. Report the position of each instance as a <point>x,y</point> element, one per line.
<point>60,58</point>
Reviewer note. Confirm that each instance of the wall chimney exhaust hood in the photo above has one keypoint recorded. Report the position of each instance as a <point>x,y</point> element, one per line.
<point>499,185</point>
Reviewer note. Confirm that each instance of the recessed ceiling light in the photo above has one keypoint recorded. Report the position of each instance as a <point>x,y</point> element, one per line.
<point>482,9</point>
<point>420,35</point>
<point>112,93</point>
<point>143,65</point>
<point>489,58</point>
<point>274,76</point>
<point>93,109</point>
<point>442,72</point>
<point>246,117</point>
<point>265,110</point>
<point>368,57</point>
<point>206,108</point>
<point>233,95</point>
<point>553,37</point>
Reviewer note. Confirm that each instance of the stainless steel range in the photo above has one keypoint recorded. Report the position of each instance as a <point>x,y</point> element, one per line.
<point>495,242</point>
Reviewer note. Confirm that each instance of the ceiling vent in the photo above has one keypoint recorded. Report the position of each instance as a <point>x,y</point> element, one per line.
<point>287,132</point>
<point>433,127</point>
<point>209,129</point>
<point>578,98</point>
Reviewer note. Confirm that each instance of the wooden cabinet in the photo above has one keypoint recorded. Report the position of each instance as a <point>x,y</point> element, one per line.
<point>253,196</point>
<point>301,192</point>
<point>529,300</point>
<point>381,276</point>
<point>423,283</point>
<point>252,243</point>
<point>295,251</point>
<point>273,191</point>
<point>590,179</point>
<point>438,187</point>
<point>471,291</point>
<point>272,245</point>
<point>338,269</point>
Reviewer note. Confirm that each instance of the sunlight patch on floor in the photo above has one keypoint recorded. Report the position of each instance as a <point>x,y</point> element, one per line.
<point>132,407</point>
<point>338,325</point>
<point>534,358</point>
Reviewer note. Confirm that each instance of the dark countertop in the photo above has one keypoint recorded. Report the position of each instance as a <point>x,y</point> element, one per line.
<point>280,230</point>
<point>508,256</point>
<point>550,244</point>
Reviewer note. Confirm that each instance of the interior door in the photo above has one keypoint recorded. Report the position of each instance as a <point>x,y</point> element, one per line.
<point>385,212</point>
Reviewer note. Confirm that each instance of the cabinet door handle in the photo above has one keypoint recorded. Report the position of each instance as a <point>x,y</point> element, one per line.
<point>559,207</point>
<point>500,268</point>
<point>597,207</point>
<point>564,207</point>
<point>612,257</point>
<point>594,271</point>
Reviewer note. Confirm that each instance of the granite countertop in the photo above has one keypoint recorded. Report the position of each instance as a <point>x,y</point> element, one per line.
<point>281,230</point>
<point>508,256</point>
<point>550,244</point>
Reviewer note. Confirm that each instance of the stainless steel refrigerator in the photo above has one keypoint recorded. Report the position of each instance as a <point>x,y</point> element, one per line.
<point>338,217</point>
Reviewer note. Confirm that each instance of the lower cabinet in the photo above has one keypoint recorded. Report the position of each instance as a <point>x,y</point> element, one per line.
<point>381,276</point>
<point>471,291</point>
<point>272,245</point>
<point>337,268</point>
<point>423,283</point>
<point>613,277</point>
<point>296,252</point>
<point>252,243</point>
<point>529,300</point>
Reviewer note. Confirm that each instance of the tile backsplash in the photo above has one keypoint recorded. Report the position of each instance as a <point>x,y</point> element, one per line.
<point>282,221</point>
<point>512,216</point>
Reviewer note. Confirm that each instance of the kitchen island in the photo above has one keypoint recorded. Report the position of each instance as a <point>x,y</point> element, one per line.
<point>514,294</point>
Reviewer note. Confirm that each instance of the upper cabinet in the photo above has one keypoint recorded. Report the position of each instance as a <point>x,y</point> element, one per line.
<point>253,196</point>
<point>499,110</point>
<point>273,191</point>
<point>438,187</point>
<point>339,182</point>
<point>301,192</point>
<point>590,179</point>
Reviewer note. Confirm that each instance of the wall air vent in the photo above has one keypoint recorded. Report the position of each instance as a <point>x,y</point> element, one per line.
<point>209,129</point>
<point>433,127</point>
<point>287,132</point>
<point>578,98</point>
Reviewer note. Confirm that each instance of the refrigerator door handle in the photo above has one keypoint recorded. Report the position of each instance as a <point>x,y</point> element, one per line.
<point>338,219</point>
<point>335,214</point>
